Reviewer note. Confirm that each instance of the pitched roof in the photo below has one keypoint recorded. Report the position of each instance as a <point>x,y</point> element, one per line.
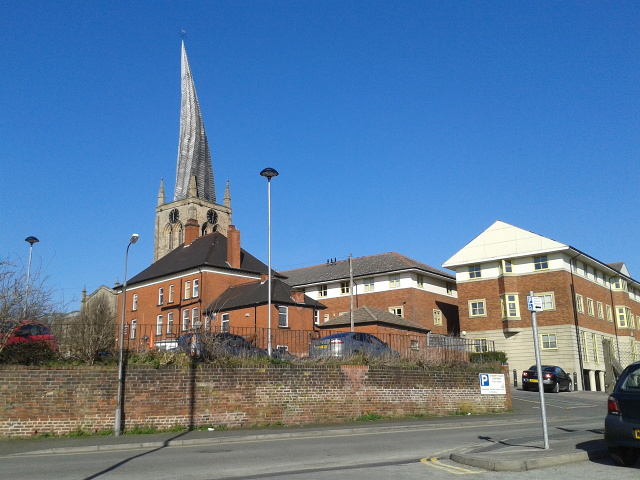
<point>256,293</point>
<point>369,315</point>
<point>362,266</point>
<point>206,251</point>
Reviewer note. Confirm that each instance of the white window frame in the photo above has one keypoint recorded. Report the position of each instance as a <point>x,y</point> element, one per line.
<point>187,290</point>
<point>507,266</point>
<point>394,280</point>
<point>171,291</point>
<point>325,318</point>
<point>600,310</point>
<point>550,340</point>
<point>160,296</point>
<point>420,281</point>
<point>133,330</point>
<point>579,303</point>
<point>224,322</point>
<point>134,303</point>
<point>185,320</point>
<point>170,323</point>
<point>322,291</point>
<point>316,317</point>
<point>159,325</point>
<point>590,310</point>
<point>399,311</point>
<point>510,305</point>
<point>548,300</point>
<point>283,314</point>
<point>195,317</point>
<point>480,306</point>
<point>480,345</point>
<point>437,317</point>
<point>585,352</point>
<point>541,263</point>
<point>594,342</point>
<point>344,288</point>
<point>622,316</point>
<point>196,288</point>
<point>609,314</point>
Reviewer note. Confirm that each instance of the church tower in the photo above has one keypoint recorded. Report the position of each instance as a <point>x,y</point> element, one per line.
<point>195,194</point>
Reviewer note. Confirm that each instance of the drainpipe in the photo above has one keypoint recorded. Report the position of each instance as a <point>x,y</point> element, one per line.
<point>575,320</point>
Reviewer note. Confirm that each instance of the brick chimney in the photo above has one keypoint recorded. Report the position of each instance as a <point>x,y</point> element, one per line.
<point>191,229</point>
<point>233,247</point>
<point>264,277</point>
<point>297,296</point>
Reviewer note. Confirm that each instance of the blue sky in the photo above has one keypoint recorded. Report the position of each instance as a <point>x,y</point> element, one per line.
<point>405,126</point>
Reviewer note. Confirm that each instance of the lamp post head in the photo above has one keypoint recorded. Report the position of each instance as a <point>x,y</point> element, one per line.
<point>134,238</point>
<point>33,240</point>
<point>269,173</point>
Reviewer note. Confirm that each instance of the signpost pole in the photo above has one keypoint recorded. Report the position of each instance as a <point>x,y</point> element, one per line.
<point>543,412</point>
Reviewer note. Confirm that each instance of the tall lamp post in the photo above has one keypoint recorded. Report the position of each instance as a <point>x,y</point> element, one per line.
<point>31,241</point>
<point>117,430</point>
<point>269,173</point>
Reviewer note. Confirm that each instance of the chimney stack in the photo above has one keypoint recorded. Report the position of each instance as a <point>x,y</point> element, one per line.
<point>233,247</point>
<point>298,296</point>
<point>191,229</point>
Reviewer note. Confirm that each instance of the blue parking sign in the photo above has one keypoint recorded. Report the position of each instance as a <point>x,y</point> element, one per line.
<point>484,380</point>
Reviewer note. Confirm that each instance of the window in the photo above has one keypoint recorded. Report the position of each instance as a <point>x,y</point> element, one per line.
<point>185,319</point>
<point>159,325</point>
<point>170,323</point>
<point>160,296</point>
<point>622,317</point>
<point>415,345</point>
<point>594,343</point>
<point>549,341</point>
<point>283,317</point>
<point>590,310</point>
<point>195,318</point>
<point>394,281</point>
<point>616,283</point>
<point>369,285</point>
<point>171,290</point>
<point>583,347</point>
<point>134,307</point>
<point>196,288</point>
<point>316,317</point>
<point>480,345</point>
<point>224,322</point>
<point>420,280</point>
<point>609,314</point>
<point>579,303</point>
<point>207,322</point>
<point>548,300</point>
<point>396,311</point>
<point>134,328</point>
<point>600,311</point>
<point>540,263</point>
<point>474,271</point>
<point>507,266</point>
<point>187,289</point>
<point>437,317</point>
<point>449,288</point>
<point>477,308</point>
<point>325,318</point>
<point>322,290</point>
<point>344,288</point>
<point>510,306</point>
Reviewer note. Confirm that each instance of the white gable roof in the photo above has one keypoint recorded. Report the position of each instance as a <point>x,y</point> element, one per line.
<point>502,240</point>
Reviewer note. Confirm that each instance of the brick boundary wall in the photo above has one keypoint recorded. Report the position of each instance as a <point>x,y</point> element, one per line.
<point>61,400</point>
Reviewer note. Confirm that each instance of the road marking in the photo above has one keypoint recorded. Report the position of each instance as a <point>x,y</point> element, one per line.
<point>435,463</point>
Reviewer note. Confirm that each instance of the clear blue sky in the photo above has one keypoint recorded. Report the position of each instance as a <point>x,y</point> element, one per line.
<point>405,126</point>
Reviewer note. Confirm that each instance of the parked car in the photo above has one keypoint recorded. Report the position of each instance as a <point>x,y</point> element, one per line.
<point>201,344</point>
<point>622,423</point>
<point>554,379</point>
<point>344,344</point>
<point>27,331</point>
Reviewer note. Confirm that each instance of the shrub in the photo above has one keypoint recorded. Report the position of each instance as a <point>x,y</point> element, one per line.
<point>488,357</point>
<point>28,353</point>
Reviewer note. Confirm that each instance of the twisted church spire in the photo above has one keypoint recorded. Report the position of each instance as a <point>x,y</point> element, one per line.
<point>194,157</point>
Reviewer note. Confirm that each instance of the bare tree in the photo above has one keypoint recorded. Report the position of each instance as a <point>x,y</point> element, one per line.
<point>91,333</point>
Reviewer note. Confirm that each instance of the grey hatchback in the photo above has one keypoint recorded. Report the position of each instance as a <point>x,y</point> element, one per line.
<point>622,423</point>
<point>344,344</point>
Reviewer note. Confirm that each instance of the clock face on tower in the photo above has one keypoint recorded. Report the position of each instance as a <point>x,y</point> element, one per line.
<point>212,217</point>
<point>174,215</point>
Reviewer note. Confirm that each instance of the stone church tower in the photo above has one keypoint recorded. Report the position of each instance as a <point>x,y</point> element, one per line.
<point>195,194</point>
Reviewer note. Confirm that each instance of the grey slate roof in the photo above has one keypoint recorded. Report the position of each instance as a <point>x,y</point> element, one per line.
<point>362,266</point>
<point>617,266</point>
<point>206,251</point>
<point>369,315</point>
<point>256,293</point>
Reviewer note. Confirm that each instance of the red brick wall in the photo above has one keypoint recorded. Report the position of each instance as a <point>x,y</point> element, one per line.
<point>64,399</point>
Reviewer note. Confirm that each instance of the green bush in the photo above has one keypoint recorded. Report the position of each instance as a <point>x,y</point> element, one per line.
<point>28,353</point>
<point>488,357</point>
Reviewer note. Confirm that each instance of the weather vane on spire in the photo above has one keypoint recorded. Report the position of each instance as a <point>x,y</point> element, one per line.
<point>183,34</point>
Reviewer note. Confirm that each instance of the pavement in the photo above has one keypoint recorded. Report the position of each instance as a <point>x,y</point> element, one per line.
<point>566,444</point>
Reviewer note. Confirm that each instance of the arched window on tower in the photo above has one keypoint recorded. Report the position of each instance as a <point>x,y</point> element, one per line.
<point>180,234</point>
<point>168,235</point>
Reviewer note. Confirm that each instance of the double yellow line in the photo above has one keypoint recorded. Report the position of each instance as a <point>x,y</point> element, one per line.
<point>435,463</point>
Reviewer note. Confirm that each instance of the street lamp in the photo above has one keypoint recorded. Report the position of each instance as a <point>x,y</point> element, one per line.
<point>118,420</point>
<point>269,173</point>
<point>31,241</point>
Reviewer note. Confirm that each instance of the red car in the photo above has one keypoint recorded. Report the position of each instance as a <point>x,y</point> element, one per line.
<point>27,331</point>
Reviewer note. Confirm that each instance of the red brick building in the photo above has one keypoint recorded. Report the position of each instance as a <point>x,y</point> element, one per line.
<point>591,309</point>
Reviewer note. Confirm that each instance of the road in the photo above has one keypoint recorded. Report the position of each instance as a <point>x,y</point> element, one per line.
<point>418,451</point>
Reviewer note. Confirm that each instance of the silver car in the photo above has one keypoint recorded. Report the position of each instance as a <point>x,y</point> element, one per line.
<point>345,344</point>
